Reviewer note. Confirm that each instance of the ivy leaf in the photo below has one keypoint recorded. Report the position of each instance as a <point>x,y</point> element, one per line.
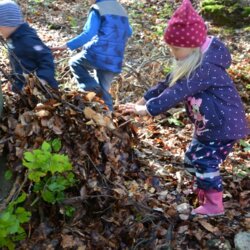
<point>28,156</point>
<point>46,147</point>
<point>22,215</point>
<point>60,163</point>
<point>36,175</point>
<point>7,242</point>
<point>56,145</point>
<point>20,199</point>
<point>48,196</point>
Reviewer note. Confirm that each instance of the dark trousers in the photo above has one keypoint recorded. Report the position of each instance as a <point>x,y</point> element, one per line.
<point>90,78</point>
<point>203,159</point>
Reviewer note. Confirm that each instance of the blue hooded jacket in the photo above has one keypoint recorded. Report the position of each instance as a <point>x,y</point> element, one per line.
<point>212,101</point>
<point>28,54</point>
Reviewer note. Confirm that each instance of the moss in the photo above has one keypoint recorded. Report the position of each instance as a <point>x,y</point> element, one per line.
<point>247,29</point>
<point>246,11</point>
<point>213,8</point>
<point>225,12</point>
<point>209,3</point>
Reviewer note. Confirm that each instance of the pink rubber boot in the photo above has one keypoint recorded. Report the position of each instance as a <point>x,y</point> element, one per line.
<point>213,204</point>
<point>199,192</point>
<point>201,196</point>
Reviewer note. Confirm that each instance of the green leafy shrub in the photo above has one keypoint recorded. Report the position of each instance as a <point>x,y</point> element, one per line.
<point>11,219</point>
<point>50,172</point>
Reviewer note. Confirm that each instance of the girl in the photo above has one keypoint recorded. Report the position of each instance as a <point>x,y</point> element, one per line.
<point>199,78</point>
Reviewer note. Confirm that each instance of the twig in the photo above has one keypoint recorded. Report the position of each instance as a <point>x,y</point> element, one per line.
<point>125,123</point>
<point>101,175</point>
<point>61,77</point>
<point>2,141</point>
<point>142,241</point>
<point>21,186</point>
<point>107,208</point>
<point>11,194</point>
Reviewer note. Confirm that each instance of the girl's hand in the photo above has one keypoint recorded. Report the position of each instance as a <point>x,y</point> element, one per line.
<point>133,108</point>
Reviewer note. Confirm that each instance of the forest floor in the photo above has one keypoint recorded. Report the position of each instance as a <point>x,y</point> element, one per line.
<point>152,197</point>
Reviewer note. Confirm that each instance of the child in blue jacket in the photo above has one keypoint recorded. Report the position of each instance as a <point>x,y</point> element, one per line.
<point>199,78</point>
<point>104,38</point>
<point>27,53</point>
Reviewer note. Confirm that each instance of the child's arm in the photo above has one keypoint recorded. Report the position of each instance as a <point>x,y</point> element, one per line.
<point>139,107</point>
<point>90,30</point>
<point>40,55</point>
<point>157,89</point>
<point>170,97</point>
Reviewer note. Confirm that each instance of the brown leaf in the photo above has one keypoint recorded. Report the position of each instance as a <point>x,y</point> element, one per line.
<point>42,113</point>
<point>90,96</point>
<point>20,131</point>
<point>67,241</point>
<point>98,118</point>
<point>245,199</point>
<point>209,227</point>
<point>56,124</point>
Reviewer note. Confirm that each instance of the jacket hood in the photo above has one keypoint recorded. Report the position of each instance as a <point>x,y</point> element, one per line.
<point>23,29</point>
<point>218,54</point>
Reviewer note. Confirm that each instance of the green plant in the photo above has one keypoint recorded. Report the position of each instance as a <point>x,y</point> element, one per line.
<point>10,223</point>
<point>69,211</point>
<point>8,175</point>
<point>241,171</point>
<point>175,121</point>
<point>166,69</point>
<point>49,171</point>
<point>245,145</point>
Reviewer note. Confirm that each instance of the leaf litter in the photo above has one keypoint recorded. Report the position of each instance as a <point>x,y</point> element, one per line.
<point>132,191</point>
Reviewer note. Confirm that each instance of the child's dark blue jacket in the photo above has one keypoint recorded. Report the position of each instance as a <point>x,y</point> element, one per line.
<point>212,101</point>
<point>28,54</point>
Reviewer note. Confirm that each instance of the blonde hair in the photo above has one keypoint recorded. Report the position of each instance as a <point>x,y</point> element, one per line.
<point>184,68</point>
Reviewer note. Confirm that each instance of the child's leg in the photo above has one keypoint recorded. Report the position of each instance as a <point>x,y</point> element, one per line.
<point>207,159</point>
<point>188,157</point>
<point>84,73</point>
<point>105,80</point>
<point>189,167</point>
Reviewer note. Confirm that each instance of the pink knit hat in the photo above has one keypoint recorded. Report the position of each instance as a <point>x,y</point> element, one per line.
<point>185,28</point>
